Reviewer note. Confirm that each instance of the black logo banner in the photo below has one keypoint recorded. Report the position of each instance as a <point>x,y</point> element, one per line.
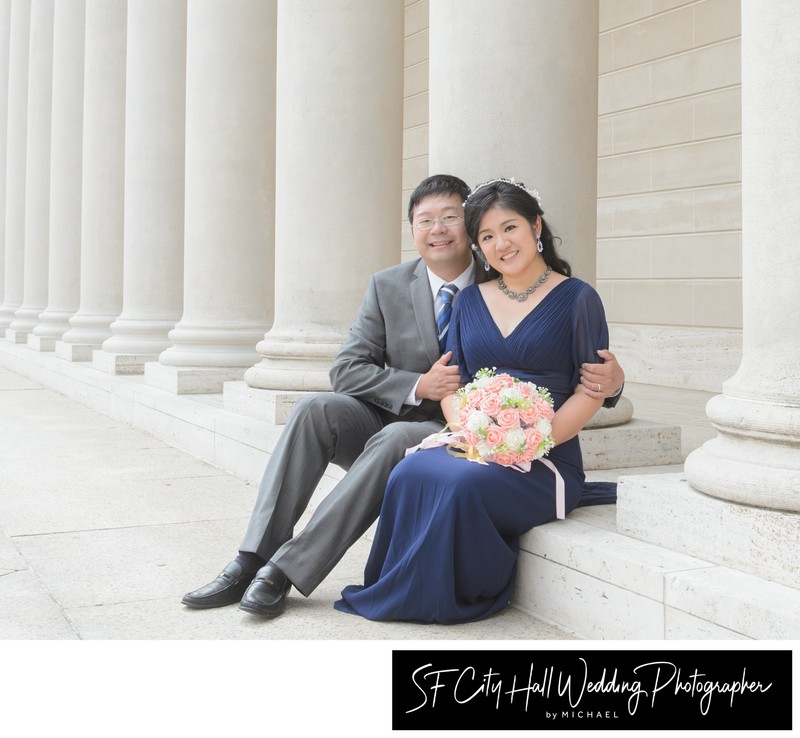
<point>592,690</point>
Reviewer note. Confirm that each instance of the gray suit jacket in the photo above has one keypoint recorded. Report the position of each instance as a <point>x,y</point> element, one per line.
<point>392,341</point>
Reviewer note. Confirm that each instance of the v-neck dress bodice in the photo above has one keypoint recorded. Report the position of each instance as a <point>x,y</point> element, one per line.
<point>547,346</point>
<point>448,535</point>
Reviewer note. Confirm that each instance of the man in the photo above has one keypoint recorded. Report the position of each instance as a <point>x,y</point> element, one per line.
<point>388,381</point>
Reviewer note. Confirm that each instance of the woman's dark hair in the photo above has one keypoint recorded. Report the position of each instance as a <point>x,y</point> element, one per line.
<point>510,196</point>
<point>437,184</point>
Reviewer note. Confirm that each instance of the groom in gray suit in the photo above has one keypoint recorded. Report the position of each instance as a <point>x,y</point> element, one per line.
<point>388,381</point>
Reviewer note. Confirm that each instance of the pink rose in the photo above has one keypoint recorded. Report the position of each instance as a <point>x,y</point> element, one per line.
<point>525,389</point>
<point>474,398</point>
<point>495,436</point>
<point>529,415</point>
<point>463,415</point>
<point>507,418</point>
<point>490,404</point>
<point>498,382</point>
<point>470,438</point>
<point>505,459</point>
<point>533,438</point>
<point>544,408</point>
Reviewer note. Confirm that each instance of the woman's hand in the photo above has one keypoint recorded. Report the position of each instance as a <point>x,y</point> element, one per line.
<point>450,412</point>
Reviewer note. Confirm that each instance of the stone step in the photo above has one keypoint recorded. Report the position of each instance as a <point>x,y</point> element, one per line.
<point>601,584</point>
<point>665,510</point>
<point>635,443</point>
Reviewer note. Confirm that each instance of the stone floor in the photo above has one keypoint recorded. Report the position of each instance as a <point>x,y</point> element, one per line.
<point>103,528</point>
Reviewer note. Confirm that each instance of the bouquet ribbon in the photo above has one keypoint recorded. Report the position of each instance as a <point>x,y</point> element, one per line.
<point>560,503</point>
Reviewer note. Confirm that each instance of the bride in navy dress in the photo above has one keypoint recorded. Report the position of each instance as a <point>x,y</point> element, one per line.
<point>447,542</point>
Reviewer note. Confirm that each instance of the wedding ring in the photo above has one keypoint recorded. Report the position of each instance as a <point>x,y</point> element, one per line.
<point>598,387</point>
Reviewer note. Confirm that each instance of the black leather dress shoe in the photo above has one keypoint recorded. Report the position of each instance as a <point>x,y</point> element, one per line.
<point>266,595</point>
<point>226,589</point>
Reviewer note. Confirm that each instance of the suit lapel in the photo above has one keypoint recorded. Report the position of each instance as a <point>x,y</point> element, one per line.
<point>422,301</point>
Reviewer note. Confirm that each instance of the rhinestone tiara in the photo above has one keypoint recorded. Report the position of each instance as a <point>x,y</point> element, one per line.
<point>533,193</point>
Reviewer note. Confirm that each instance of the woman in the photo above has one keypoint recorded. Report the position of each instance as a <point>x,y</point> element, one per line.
<point>447,541</point>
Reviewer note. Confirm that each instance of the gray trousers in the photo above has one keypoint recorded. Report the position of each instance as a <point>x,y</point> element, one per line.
<point>322,429</point>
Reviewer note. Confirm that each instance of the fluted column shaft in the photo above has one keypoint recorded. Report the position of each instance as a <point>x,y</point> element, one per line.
<point>5,40</point>
<point>230,140</point>
<point>338,178</point>
<point>103,180</point>
<point>155,123</point>
<point>16,158</point>
<point>37,178</point>
<point>514,94</point>
<point>755,459</point>
<point>65,174</point>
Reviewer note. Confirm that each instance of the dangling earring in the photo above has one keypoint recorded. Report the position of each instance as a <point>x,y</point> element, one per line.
<point>539,246</point>
<point>480,255</point>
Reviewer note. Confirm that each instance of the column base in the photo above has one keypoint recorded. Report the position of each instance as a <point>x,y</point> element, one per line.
<point>7,317</point>
<point>54,323</point>
<point>76,351</point>
<point>121,364</point>
<point>301,379</point>
<point>270,406</point>
<point>755,459</point>
<point>26,319</point>
<point>288,364</point>
<point>211,346</point>
<point>41,343</point>
<point>190,380</point>
<point>747,472</point>
<point>88,330</point>
<point>14,335</point>
<point>607,417</point>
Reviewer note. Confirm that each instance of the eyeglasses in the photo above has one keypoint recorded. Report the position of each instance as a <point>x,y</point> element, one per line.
<point>448,221</point>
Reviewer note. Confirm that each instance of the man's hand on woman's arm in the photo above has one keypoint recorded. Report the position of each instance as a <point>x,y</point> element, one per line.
<point>603,380</point>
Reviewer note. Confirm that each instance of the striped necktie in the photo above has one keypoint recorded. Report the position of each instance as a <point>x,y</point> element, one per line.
<point>447,294</point>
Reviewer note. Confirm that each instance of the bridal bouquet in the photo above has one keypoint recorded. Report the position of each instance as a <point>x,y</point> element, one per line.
<point>503,420</point>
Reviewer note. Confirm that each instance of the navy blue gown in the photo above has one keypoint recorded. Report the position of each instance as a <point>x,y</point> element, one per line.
<point>446,546</point>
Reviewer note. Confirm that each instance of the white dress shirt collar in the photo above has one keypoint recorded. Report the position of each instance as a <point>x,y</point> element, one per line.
<point>461,281</point>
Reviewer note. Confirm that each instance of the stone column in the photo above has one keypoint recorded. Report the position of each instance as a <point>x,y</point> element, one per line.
<point>5,40</point>
<point>37,177</point>
<point>103,185</point>
<point>338,178</point>
<point>230,158</point>
<point>755,459</point>
<point>514,94</point>
<point>16,158</point>
<point>65,175</point>
<point>155,123</point>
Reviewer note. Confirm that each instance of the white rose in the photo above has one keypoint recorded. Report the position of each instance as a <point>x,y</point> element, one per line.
<point>515,439</point>
<point>478,422</point>
<point>510,393</point>
<point>484,449</point>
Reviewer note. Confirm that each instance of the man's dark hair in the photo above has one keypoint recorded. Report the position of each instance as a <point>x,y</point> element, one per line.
<point>437,184</point>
